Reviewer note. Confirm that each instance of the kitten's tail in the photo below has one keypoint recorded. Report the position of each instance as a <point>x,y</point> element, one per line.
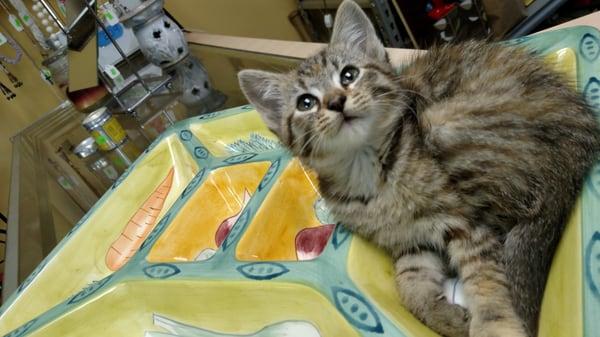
<point>529,250</point>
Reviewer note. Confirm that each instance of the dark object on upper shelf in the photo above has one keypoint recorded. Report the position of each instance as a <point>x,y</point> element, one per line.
<point>317,19</point>
<point>400,23</point>
<point>537,12</point>
<point>503,15</point>
<point>434,21</point>
<point>81,23</point>
<point>458,20</point>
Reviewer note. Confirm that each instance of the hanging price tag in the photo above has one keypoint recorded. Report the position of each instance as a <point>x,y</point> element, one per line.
<point>26,19</point>
<point>109,14</point>
<point>2,39</point>
<point>65,182</point>
<point>15,22</point>
<point>114,74</point>
<point>111,18</point>
<point>46,75</point>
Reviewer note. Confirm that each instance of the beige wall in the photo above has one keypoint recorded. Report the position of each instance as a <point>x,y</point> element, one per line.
<point>251,18</point>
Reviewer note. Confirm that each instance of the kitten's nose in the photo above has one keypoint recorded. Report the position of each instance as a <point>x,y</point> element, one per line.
<point>336,103</point>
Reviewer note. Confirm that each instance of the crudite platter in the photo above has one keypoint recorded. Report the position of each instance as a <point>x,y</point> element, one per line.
<point>217,231</point>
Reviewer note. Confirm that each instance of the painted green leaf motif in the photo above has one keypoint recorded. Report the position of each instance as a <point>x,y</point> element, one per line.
<point>237,228</point>
<point>589,47</point>
<point>592,264</point>
<point>357,310</point>
<point>22,330</point>
<point>200,152</point>
<point>262,270</point>
<point>270,174</point>
<point>156,231</point>
<point>89,290</point>
<point>340,235</point>
<point>31,276</point>
<point>240,158</point>
<point>161,271</point>
<point>591,92</point>
<point>185,135</point>
<point>193,183</point>
<point>256,143</point>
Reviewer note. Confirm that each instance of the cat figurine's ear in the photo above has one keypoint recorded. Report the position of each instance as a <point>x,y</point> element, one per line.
<point>353,28</point>
<point>263,90</point>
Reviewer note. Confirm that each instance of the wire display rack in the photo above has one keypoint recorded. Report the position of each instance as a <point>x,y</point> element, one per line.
<point>150,87</point>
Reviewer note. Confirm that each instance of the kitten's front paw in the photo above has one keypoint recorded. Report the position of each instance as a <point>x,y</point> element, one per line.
<point>449,320</point>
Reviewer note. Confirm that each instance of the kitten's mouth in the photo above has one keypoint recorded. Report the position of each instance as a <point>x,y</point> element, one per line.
<point>342,121</point>
<point>346,122</point>
<point>348,117</point>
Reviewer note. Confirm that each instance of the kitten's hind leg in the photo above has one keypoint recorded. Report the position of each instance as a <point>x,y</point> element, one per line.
<point>420,278</point>
<point>477,256</point>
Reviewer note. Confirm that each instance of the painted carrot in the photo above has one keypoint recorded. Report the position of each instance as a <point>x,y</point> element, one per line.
<point>139,226</point>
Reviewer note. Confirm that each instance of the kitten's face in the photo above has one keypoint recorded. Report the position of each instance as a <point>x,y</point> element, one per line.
<point>335,101</point>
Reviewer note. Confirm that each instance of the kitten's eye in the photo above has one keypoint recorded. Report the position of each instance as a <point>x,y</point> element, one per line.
<point>349,75</point>
<point>306,102</point>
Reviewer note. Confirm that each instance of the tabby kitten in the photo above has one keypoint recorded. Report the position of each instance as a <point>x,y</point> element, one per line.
<point>465,163</point>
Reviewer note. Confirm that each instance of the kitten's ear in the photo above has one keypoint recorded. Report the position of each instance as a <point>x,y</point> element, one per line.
<point>263,90</point>
<point>353,28</point>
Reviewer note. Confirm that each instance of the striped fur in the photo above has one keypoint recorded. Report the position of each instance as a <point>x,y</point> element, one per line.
<point>466,163</point>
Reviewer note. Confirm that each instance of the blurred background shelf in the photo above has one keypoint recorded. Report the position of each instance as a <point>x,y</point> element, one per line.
<point>536,12</point>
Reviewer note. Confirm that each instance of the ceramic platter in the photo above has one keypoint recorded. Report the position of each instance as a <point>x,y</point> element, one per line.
<point>217,231</point>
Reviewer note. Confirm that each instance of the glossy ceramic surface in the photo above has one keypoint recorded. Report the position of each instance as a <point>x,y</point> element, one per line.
<point>217,231</point>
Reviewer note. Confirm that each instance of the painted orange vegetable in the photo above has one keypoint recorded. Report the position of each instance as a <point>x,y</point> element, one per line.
<point>139,226</point>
